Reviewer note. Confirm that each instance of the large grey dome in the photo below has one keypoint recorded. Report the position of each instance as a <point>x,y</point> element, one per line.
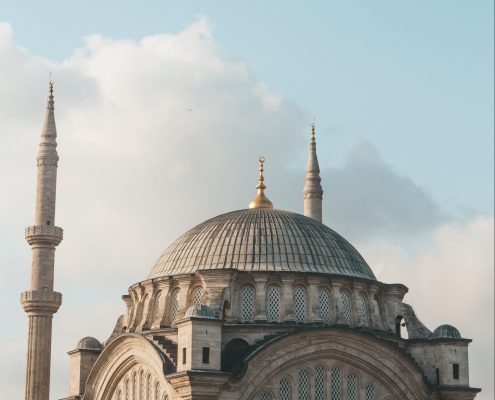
<point>262,239</point>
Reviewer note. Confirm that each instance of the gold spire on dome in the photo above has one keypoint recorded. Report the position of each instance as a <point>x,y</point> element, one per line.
<point>261,201</point>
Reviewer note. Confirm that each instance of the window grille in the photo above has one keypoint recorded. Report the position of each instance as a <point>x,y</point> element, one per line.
<point>346,308</point>
<point>303,386</point>
<point>148,387</point>
<point>352,388</point>
<point>141,386</point>
<point>247,304</point>
<point>174,306</point>
<point>127,390</point>
<point>157,391</point>
<point>335,384</point>
<point>273,309</point>
<point>324,306</point>
<point>300,305</point>
<point>370,392</point>
<point>364,310</point>
<point>265,396</point>
<point>285,389</point>
<point>134,386</point>
<point>319,383</point>
<point>197,296</point>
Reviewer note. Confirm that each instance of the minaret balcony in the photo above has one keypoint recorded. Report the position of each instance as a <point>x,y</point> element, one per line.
<point>44,234</point>
<point>41,301</point>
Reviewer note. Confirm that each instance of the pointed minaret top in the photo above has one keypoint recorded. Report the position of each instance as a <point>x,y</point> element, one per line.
<point>50,104</point>
<point>313,192</point>
<point>261,201</point>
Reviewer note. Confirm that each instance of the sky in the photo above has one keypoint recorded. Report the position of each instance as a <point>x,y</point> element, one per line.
<point>162,110</point>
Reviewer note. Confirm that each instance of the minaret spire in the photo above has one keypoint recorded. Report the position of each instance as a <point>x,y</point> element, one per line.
<point>313,192</point>
<point>40,302</point>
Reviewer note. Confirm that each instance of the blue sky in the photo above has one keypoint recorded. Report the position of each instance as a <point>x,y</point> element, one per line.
<point>403,98</point>
<point>414,78</point>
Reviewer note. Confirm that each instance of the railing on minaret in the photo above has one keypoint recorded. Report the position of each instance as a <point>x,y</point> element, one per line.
<point>313,192</point>
<point>40,302</point>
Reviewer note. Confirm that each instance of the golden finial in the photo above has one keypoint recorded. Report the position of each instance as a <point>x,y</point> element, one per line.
<point>261,201</point>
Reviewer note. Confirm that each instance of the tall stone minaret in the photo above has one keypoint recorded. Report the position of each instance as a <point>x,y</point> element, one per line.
<point>313,193</point>
<point>40,302</point>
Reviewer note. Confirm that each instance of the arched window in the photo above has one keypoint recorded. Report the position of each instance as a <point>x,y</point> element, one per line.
<point>303,385</point>
<point>265,396</point>
<point>247,304</point>
<point>346,308</point>
<point>352,387</point>
<point>324,306</point>
<point>273,304</point>
<point>174,305</point>
<point>370,392</point>
<point>319,383</point>
<point>285,390</point>
<point>300,305</point>
<point>127,390</point>
<point>148,387</point>
<point>335,384</point>
<point>141,385</point>
<point>134,386</point>
<point>364,310</point>
<point>157,391</point>
<point>119,395</point>
<point>197,296</point>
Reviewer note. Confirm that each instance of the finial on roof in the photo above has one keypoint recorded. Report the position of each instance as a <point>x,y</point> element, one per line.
<point>261,201</point>
<point>50,104</point>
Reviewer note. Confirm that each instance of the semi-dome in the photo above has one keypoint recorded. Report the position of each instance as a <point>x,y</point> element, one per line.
<point>262,239</point>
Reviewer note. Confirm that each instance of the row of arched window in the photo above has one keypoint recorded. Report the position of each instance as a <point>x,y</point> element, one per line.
<point>322,387</point>
<point>300,303</point>
<point>139,386</point>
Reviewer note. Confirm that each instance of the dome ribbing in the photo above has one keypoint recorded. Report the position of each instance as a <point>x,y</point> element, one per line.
<point>262,239</point>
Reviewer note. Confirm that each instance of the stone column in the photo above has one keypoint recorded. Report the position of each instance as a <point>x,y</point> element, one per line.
<point>160,317</point>
<point>376,322</point>
<point>314,300</point>
<point>287,314</point>
<point>337,300</point>
<point>260,311</point>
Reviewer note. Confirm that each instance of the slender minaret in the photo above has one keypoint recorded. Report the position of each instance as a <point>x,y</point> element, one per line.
<point>313,193</point>
<point>40,302</point>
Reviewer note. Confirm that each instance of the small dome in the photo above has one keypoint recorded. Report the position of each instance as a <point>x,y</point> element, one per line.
<point>201,311</point>
<point>262,240</point>
<point>88,343</point>
<point>446,331</point>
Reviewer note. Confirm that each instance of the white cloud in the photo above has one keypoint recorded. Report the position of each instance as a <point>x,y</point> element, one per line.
<point>450,282</point>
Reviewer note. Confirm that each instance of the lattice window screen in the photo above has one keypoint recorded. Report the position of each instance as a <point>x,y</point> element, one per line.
<point>352,388</point>
<point>364,310</point>
<point>148,387</point>
<point>174,305</point>
<point>300,304</point>
<point>285,390</point>
<point>319,383</point>
<point>247,304</point>
<point>346,304</point>
<point>127,391</point>
<point>157,391</point>
<point>303,385</point>
<point>197,296</point>
<point>335,384</point>
<point>273,306</point>
<point>265,396</point>
<point>370,392</point>
<point>324,306</point>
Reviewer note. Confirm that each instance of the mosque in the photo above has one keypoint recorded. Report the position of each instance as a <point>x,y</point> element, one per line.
<point>254,304</point>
